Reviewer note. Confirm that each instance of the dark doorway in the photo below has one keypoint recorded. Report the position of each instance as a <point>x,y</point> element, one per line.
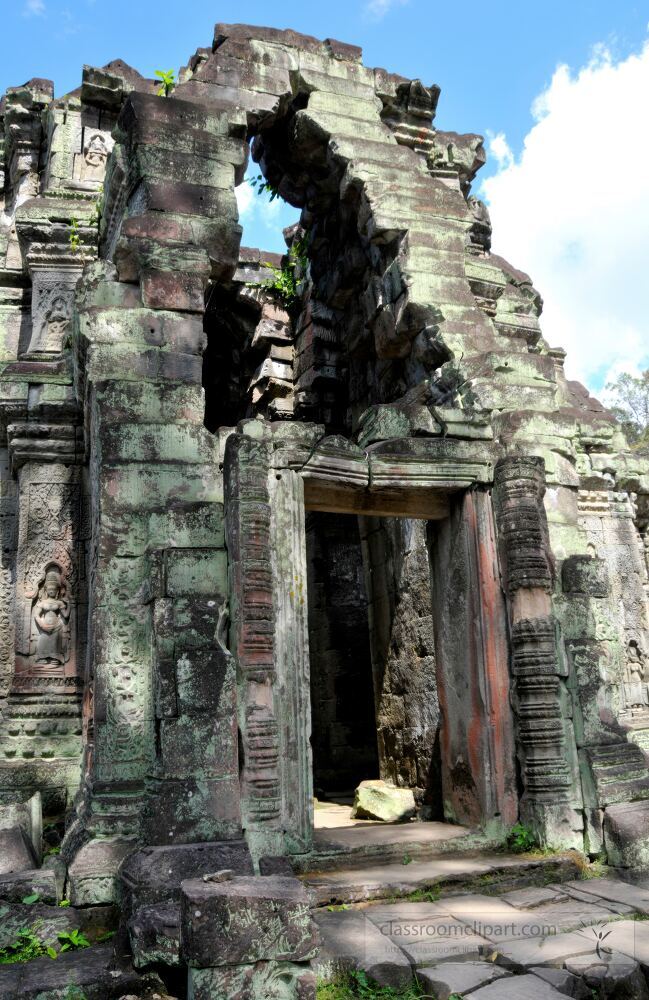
<point>344,735</point>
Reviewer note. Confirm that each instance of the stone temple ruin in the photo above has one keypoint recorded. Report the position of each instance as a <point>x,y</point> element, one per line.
<point>259,547</point>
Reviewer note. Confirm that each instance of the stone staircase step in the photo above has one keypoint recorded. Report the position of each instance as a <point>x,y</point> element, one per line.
<point>474,872</point>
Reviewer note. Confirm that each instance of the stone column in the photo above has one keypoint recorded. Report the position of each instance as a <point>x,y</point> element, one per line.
<point>43,718</point>
<point>551,801</point>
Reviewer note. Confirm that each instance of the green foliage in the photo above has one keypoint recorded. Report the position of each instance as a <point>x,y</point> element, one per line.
<point>26,947</point>
<point>262,186</point>
<point>74,993</point>
<point>73,940</point>
<point>64,902</point>
<point>406,859</point>
<point>168,78</point>
<point>74,236</point>
<point>356,985</point>
<point>32,898</point>
<point>105,936</point>
<point>630,404</point>
<point>521,839</point>
<point>431,894</point>
<point>51,852</point>
<point>286,278</point>
<point>336,907</point>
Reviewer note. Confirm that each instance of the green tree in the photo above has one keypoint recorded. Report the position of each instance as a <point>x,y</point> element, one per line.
<point>630,399</point>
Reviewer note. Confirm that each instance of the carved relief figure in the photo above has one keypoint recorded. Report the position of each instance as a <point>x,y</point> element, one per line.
<point>58,317</point>
<point>90,164</point>
<point>51,618</point>
<point>636,694</point>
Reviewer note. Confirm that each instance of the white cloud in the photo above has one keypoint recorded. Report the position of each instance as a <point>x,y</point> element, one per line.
<point>573,211</point>
<point>34,8</point>
<point>377,9</point>
<point>257,207</point>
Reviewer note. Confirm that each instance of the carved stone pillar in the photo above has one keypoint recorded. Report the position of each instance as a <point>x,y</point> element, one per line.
<point>551,801</point>
<point>42,723</point>
<point>248,538</point>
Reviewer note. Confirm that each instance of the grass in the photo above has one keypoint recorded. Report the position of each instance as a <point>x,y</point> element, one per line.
<point>356,985</point>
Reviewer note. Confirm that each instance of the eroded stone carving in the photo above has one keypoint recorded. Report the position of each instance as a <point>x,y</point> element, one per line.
<point>51,619</point>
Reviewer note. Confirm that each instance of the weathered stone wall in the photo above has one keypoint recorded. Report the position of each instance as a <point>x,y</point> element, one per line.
<point>407,379</point>
<point>397,574</point>
<point>344,726</point>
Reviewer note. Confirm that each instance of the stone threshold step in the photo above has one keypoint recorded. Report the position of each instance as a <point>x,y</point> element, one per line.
<point>368,843</point>
<point>481,872</point>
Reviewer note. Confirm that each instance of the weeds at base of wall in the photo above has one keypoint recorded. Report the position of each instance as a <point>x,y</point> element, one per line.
<point>357,985</point>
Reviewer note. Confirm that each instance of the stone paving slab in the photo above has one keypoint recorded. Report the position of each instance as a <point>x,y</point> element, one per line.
<point>458,977</point>
<point>349,939</point>
<point>631,937</point>
<point>526,899</point>
<point>565,982</point>
<point>613,890</point>
<point>518,988</point>
<point>523,954</point>
<point>430,941</point>
<point>615,907</point>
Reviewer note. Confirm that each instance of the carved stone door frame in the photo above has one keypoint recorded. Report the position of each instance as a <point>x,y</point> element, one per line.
<point>272,477</point>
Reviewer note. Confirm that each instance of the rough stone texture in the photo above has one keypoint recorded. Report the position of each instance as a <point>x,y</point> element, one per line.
<point>271,980</point>
<point>564,982</point>
<point>246,920</point>
<point>46,882</point>
<point>92,970</point>
<point>379,800</point>
<point>16,853</point>
<point>155,874</point>
<point>154,934</point>
<point>611,976</point>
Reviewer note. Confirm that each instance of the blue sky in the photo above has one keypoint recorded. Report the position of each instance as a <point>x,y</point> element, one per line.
<point>493,61</point>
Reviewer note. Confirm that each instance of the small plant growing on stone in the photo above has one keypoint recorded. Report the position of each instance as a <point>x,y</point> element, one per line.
<point>74,236</point>
<point>521,839</point>
<point>73,940</point>
<point>26,947</point>
<point>64,902</point>
<point>262,186</point>
<point>406,860</point>
<point>168,78</point>
<point>285,278</point>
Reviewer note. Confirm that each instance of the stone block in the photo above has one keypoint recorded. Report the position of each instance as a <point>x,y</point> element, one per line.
<point>270,980</point>
<point>269,865</point>
<point>610,975</point>
<point>154,874</point>
<point>246,920</point>
<point>458,977</point>
<point>47,921</point>
<point>585,575</point>
<point>193,809</point>
<point>348,939</point>
<point>44,882</point>
<point>154,933</point>
<point>382,801</point>
<point>564,982</point>
<point>16,852</point>
<point>92,970</point>
<point>626,834</point>
<point>197,571</point>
